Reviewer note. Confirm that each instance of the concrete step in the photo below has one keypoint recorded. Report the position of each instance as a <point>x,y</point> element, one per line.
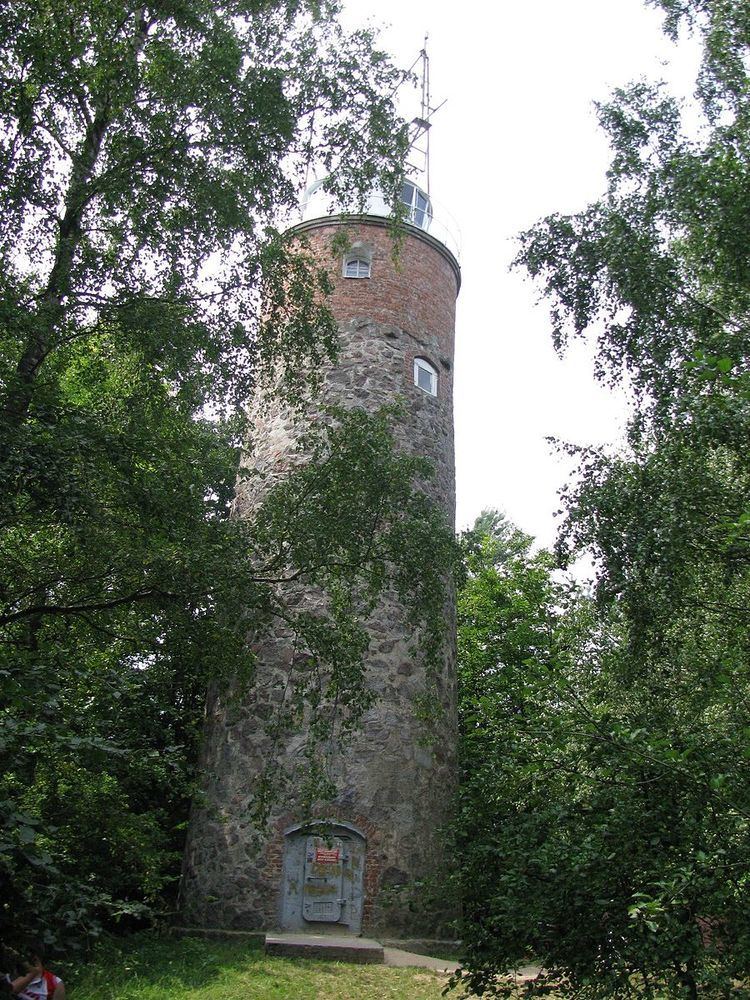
<point>337,947</point>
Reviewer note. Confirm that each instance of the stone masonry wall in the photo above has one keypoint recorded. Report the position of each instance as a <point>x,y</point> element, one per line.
<point>392,788</point>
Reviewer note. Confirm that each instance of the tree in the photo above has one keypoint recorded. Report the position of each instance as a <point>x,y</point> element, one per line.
<point>602,817</point>
<point>151,155</point>
<point>143,144</point>
<point>522,636</point>
<point>637,846</point>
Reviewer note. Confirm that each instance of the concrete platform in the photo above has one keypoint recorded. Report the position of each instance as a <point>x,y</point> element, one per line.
<point>338,947</point>
<point>400,959</point>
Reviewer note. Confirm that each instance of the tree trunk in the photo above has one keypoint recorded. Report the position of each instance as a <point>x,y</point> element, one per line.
<point>52,301</point>
<point>51,309</point>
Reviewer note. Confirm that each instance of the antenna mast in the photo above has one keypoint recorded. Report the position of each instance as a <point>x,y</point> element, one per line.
<point>420,136</point>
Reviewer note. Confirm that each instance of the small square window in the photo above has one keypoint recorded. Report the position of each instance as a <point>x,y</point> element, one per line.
<point>425,376</point>
<point>424,379</point>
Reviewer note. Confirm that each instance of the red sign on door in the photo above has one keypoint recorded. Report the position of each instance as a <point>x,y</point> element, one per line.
<point>323,856</point>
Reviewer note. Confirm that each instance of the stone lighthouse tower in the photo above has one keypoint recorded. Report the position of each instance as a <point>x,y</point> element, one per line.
<point>355,862</point>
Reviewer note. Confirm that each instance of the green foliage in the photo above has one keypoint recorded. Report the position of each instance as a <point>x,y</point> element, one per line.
<point>620,837</point>
<point>603,822</point>
<point>519,633</point>
<point>348,524</point>
<point>150,160</point>
<point>148,154</point>
<point>127,610</point>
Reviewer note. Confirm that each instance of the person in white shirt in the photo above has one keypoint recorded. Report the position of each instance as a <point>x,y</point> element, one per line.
<point>37,983</point>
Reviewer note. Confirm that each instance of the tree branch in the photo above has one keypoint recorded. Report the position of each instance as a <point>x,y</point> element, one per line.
<point>78,609</point>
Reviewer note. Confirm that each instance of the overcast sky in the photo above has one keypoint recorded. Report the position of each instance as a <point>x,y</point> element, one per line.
<point>517,139</point>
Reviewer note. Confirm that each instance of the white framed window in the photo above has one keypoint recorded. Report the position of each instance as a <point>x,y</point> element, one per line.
<point>425,376</point>
<point>356,267</point>
<point>418,207</point>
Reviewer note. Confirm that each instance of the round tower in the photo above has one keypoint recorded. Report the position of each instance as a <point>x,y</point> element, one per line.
<point>353,865</point>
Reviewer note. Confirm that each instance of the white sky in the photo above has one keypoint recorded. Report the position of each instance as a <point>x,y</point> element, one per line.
<point>516,140</point>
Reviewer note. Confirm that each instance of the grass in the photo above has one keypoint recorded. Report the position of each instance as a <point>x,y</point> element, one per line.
<point>149,967</point>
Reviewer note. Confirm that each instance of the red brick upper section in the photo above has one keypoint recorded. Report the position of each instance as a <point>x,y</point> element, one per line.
<point>416,292</point>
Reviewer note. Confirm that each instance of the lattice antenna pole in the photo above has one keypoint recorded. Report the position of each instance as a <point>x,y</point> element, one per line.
<point>426,110</point>
<point>420,141</point>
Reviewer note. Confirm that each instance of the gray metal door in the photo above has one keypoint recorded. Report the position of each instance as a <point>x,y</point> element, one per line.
<point>322,892</point>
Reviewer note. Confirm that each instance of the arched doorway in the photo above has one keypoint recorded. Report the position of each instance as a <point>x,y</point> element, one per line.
<point>322,878</point>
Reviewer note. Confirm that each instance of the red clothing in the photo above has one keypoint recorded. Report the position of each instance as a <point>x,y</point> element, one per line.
<point>41,988</point>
